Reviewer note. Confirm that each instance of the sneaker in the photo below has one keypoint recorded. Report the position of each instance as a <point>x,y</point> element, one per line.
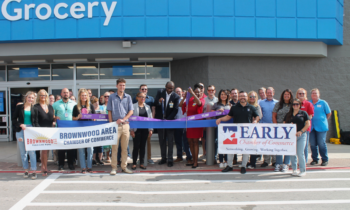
<point>278,168</point>
<point>150,161</point>
<point>128,158</point>
<point>314,162</point>
<point>113,172</point>
<point>25,175</point>
<point>221,165</point>
<point>126,170</point>
<point>251,167</point>
<point>227,169</point>
<point>324,163</point>
<point>243,170</point>
<point>203,157</point>
<point>295,173</point>
<point>33,175</point>
<point>94,163</point>
<point>302,174</point>
<point>264,164</point>
<point>285,168</point>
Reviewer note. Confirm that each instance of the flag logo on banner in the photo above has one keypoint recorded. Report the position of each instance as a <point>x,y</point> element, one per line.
<point>231,132</point>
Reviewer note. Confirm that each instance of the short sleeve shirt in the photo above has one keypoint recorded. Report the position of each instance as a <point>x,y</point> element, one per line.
<point>119,106</point>
<point>319,121</point>
<point>308,108</point>
<point>209,101</point>
<point>266,109</point>
<point>76,112</point>
<point>218,106</point>
<point>64,110</point>
<point>242,114</point>
<point>299,119</point>
<point>282,112</point>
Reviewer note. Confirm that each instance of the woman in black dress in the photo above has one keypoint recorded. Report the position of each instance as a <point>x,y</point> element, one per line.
<point>45,117</point>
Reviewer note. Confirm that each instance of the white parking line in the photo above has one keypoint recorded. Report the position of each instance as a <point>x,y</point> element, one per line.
<point>25,201</point>
<point>162,205</point>
<point>202,174</point>
<point>191,192</point>
<point>202,181</point>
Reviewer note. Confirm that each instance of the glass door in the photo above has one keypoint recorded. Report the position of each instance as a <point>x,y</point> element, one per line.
<point>4,118</point>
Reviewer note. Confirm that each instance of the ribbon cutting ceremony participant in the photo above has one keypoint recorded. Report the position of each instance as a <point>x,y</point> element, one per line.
<point>120,108</point>
<point>242,112</point>
<point>167,102</point>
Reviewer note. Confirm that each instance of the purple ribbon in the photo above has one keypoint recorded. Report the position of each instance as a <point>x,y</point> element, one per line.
<point>137,118</point>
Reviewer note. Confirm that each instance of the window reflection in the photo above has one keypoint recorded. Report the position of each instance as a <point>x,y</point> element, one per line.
<point>87,71</point>
<point>157,70</point>
<point>28,72</point>
<point>124,70</point>
<point>62,71</point>
<point>2,73</point>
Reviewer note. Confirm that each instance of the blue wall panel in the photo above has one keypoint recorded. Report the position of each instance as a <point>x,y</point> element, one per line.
<point>304,20</point>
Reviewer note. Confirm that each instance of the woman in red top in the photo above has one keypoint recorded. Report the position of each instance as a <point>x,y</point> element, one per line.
<point>195,106</point>
<point>309,109</point>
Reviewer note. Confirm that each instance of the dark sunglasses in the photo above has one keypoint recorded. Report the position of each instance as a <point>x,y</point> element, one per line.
<point>144,89</point>
<point>296,104</point>
<point>252,97</point>
<point>106,96</point>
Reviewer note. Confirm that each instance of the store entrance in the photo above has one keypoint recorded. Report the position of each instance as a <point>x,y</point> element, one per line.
<point>16,97</point>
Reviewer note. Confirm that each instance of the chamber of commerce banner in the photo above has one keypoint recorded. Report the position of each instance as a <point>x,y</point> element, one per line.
<point>37,138</point>
<point>264,138</point>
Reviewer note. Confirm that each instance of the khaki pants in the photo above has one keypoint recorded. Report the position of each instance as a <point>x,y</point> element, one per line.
<point>148,148</point>
<point>123,139</point>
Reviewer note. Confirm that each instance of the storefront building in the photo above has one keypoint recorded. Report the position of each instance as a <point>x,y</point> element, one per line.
<point>242,44</point>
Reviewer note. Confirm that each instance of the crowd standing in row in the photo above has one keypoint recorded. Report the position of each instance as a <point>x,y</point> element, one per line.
<point>170,103</point>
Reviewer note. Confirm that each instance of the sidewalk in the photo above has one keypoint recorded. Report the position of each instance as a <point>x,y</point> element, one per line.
<point>339,157</point>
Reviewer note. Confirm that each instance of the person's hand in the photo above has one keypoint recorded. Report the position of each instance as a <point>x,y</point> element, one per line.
<point>184,93</point>
<point>132,133</point>
<point>57,118</point>
<point>299,133</point>
<point>150,133</point>
<point>221,110</point>
<point>120,121</point>
<point>254,121</point>
<point>161,100</point>
<point>218,121</point>
<point>190,91</point>
<point>79,116</point>
<point>23,126</point>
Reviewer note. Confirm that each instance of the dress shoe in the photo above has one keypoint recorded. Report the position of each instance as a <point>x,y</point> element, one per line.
<point>243,170</point>
<point>227,169</point>
<point>170,164</point>
<point>324,163</point>
<point>71,167</point>
<point>314,162</point>
<point>162,162</point>
<point>178,160</point>
<point>126,170</point>
<point>264,164</point>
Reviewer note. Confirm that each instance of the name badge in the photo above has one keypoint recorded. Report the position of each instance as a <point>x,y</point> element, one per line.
<point>319,105</point>
<point>171,105</point>
<point>66,114</point>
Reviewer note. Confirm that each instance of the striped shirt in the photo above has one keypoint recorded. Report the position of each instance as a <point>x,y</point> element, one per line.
<point>119,107</point>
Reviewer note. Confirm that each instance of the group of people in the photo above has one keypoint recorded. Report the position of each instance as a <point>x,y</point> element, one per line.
<point>170,103</point>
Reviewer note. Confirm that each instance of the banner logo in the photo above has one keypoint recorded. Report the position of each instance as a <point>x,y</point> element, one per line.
<point>229,130</point>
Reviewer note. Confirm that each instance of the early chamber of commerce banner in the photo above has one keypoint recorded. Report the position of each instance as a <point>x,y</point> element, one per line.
<point>264,138</point>
<point>37,138</point>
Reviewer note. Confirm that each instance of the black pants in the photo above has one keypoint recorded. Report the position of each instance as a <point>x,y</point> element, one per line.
<point>163,135</point>
<point>140,141</point>
<point>253,160</point>
<point>71,156</point>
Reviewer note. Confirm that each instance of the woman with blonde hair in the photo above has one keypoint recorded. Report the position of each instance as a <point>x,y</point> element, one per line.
<point>253,100</point>
<point>45,117</point>
<point>84,107</point>
<point>23,117</point>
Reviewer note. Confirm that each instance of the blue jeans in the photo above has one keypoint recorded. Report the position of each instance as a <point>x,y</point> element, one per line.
<point>318,142</point>
<point>88,158</point>
<point>279,159</point>
<point>306,152</point>
<point>24,153</point>
<point>186,147</point>
<point>301,141</point>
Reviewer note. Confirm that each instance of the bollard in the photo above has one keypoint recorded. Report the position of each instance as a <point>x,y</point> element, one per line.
<point>210,142</point>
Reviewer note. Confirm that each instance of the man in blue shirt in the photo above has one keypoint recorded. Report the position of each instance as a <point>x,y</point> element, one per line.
<point>63,111</point>
<point>150,102</point>
<point>120,108</point>
<point>267,106</point>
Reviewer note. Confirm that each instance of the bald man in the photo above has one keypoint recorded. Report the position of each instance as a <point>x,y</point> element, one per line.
<point>63,111</point>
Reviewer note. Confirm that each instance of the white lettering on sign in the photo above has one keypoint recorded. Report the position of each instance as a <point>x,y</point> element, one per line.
<point>44,11</point>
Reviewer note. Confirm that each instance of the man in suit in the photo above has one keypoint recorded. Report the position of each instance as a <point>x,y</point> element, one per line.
<point>166,102</point>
